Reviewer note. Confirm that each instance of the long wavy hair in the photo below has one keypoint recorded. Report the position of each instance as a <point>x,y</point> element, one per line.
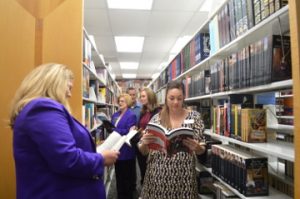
<point>152,101</point>
<point>164,114</point>
<point>47,80</point>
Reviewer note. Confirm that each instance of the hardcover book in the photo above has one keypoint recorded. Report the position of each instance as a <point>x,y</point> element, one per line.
<point>167,141</point>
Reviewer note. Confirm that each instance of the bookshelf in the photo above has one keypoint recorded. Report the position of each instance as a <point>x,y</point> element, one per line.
<point>295,45</point>
<point>99,88</point>
<point>99,93</point>
<point>277,149</point>
<point>277,23</point>
<point>273,193</point>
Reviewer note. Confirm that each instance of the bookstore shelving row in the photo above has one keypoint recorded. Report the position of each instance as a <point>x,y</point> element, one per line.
<point>98,96</point>
<point>245,44</point>
<point>99,88</point>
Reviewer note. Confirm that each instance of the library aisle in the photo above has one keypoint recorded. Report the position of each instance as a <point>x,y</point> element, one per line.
<point>238,61</point>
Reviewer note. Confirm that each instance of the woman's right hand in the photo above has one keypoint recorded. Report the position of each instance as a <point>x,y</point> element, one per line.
<point>148,138</point>
<point>110,157</point>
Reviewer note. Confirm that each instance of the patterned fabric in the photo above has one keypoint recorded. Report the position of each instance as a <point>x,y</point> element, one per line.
<point>173,177</point>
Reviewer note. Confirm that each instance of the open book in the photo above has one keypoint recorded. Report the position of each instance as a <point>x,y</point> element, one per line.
<point>169,141</point>
<point>115,141</point>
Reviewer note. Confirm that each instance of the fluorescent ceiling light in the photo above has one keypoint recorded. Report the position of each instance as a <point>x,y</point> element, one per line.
<point>180,43</point>
<point>129,44</point>
<point>129,65</point>
<point>128,75</point>
<point>130,4</point>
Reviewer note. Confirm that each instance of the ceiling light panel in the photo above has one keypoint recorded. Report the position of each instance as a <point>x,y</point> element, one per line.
<point>129,44</point>
<point>130,4</point>
<point>128,75</point>
<point>129,65</point>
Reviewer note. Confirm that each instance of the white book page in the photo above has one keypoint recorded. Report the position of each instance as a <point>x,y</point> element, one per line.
<point>119,144</point>
<point>110,141</point>
<point>130,135</point>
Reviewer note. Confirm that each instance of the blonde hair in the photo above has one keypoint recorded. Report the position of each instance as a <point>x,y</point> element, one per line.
<point>152,101</point>
<point>47,80</point>
<point>127,98</point>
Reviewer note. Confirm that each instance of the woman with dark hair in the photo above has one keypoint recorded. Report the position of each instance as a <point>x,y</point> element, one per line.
<point>173,176</point>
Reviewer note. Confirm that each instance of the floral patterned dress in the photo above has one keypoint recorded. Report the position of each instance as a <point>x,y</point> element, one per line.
<point>173,177</point>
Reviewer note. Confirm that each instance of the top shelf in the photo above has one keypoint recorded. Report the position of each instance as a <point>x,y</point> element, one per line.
<point>97,57</point>
<point>266,27</point>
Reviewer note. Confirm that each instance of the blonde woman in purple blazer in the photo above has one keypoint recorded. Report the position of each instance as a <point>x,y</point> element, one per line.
<point>125,168</point>
<point>54,154</point>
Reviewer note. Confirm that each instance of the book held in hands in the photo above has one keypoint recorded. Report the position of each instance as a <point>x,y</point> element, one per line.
<point>115,141</point>
<point>167,141</point>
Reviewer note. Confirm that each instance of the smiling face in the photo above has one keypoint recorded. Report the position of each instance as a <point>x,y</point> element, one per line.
<point>122,104</point>
<point>175,99</point>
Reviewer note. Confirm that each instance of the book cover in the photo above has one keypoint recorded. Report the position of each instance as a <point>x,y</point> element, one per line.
<point>281,62</point>
<point>254,125</point>
<point>169,141</point>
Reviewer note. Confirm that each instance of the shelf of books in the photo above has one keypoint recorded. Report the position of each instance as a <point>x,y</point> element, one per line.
<point>99,89</point>
<point>277,149</point>
<point>237,73</point>
<point>99,92</point>
<point>272,193</point>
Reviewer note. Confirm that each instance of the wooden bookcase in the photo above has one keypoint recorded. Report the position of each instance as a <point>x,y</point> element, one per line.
<point>35,32</point>
<point>295,42</point>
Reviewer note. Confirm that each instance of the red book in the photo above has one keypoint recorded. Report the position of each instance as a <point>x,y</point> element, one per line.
<point>169,141</point>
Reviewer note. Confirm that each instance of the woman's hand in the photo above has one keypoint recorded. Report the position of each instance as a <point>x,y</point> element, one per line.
<point>194,145</point>
<point>146,139</point>
<point>110,157</point>
<point>133,128</point>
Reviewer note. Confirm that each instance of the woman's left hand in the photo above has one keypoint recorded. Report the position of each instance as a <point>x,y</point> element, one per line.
<point>194,145</point>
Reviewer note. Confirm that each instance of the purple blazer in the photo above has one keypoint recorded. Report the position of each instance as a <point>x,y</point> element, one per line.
<point>54,155</point>
<point>127,121</point>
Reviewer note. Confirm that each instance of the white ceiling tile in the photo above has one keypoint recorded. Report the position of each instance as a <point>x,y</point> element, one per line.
<point>96,22</point>
<point>169,24</point>
<point>105,43</point>
<point>92,4</point>
<point>178,5</point>
<point>129,57</point>
<point>159,44</point>
<point>129,22</point>
<point>195,23</point>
